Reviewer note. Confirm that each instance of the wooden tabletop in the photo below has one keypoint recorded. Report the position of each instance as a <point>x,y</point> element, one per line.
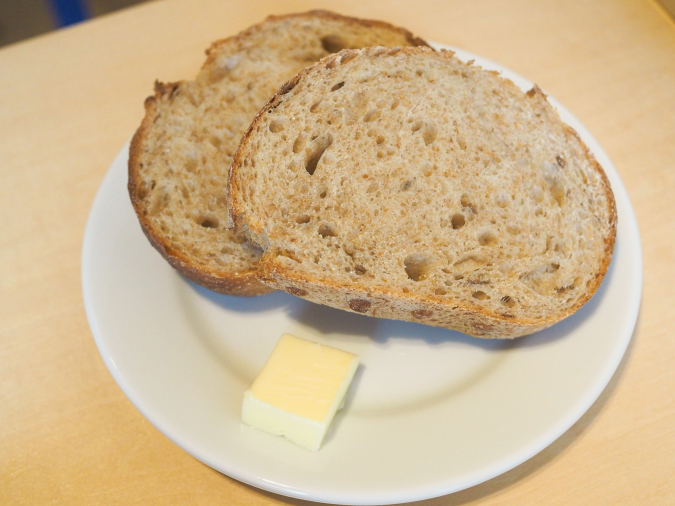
<point>70,100</point>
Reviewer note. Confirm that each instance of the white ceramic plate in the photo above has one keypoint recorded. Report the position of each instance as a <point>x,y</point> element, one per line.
<point>431,411</point>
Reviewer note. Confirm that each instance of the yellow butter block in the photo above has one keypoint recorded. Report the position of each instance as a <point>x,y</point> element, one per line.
<point>299,390</point>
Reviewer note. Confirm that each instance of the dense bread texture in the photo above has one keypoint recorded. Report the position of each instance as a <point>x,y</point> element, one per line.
<point>406,184</point>
<point>180,156</point>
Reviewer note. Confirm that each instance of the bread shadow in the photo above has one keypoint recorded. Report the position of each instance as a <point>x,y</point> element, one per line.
<point>327,320</point>
<point>257,304</point>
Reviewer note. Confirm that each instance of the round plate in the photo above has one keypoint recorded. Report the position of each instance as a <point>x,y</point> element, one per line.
<point>430,411</point>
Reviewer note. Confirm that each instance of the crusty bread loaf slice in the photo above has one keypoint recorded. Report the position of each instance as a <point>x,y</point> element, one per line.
<point>181,154</point>
<point>405,184</point>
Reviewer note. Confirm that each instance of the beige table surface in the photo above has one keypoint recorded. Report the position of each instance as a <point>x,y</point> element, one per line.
<point>69,101</point>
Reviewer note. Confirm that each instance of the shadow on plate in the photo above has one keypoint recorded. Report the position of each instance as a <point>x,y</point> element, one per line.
<point>327,320</point>
<point>258,304</point>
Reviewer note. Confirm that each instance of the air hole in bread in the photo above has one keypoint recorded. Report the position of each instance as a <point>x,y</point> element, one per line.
<point>276,125</point>
<point>543,279</point>
<point>508,301</point>
<point>503,200</point>
<point>429,133</point>
<point>561,161</point>
<point>373,187</point>
<point>428,169</point>
<point>337,86</point>
<point>160,201</point>
<point>314,155</point>
<point>418,266</point>
<point>316,105</point>
<point>359,269</point>
<point>303,218</point>
<point>299,144</point>
<point>142,191</point>
<point>407,184</point>
<point>457,221</point>
<point>348,55</point>
<point>480,295</point>
<point>487,238</point>
<point>327,230</point>
<point>333,43</point>
<point>209,222</point>
<point>288,86</point>
<point>555,185</point>
<point>289,254</point>
<point>469,263</point>
<point>440,291</point>
<point>557,191</point>
<point>190,164</point>
<point>216,141</point>
<point>371,115</point>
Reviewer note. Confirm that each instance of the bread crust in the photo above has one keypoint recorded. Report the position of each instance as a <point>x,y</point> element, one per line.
<point>316,13</point>
<point>242,282</point>
<point>456,314</point>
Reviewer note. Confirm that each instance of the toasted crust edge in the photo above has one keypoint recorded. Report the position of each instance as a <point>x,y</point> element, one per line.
<point>320,13</point>
<point>412,307</point>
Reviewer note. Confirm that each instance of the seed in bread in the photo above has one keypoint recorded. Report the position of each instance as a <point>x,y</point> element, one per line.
<point>180,155</point>
<point>406,184</point>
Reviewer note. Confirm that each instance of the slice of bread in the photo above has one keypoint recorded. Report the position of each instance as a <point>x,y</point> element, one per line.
<point>180,156</point>
<point>405,184</point>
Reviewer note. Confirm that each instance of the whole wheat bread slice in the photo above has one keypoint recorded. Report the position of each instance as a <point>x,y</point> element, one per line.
<point>406,184</point>
<point>180,156</point>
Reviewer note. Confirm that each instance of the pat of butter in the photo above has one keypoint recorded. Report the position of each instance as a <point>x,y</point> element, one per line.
<point>299,390</point>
